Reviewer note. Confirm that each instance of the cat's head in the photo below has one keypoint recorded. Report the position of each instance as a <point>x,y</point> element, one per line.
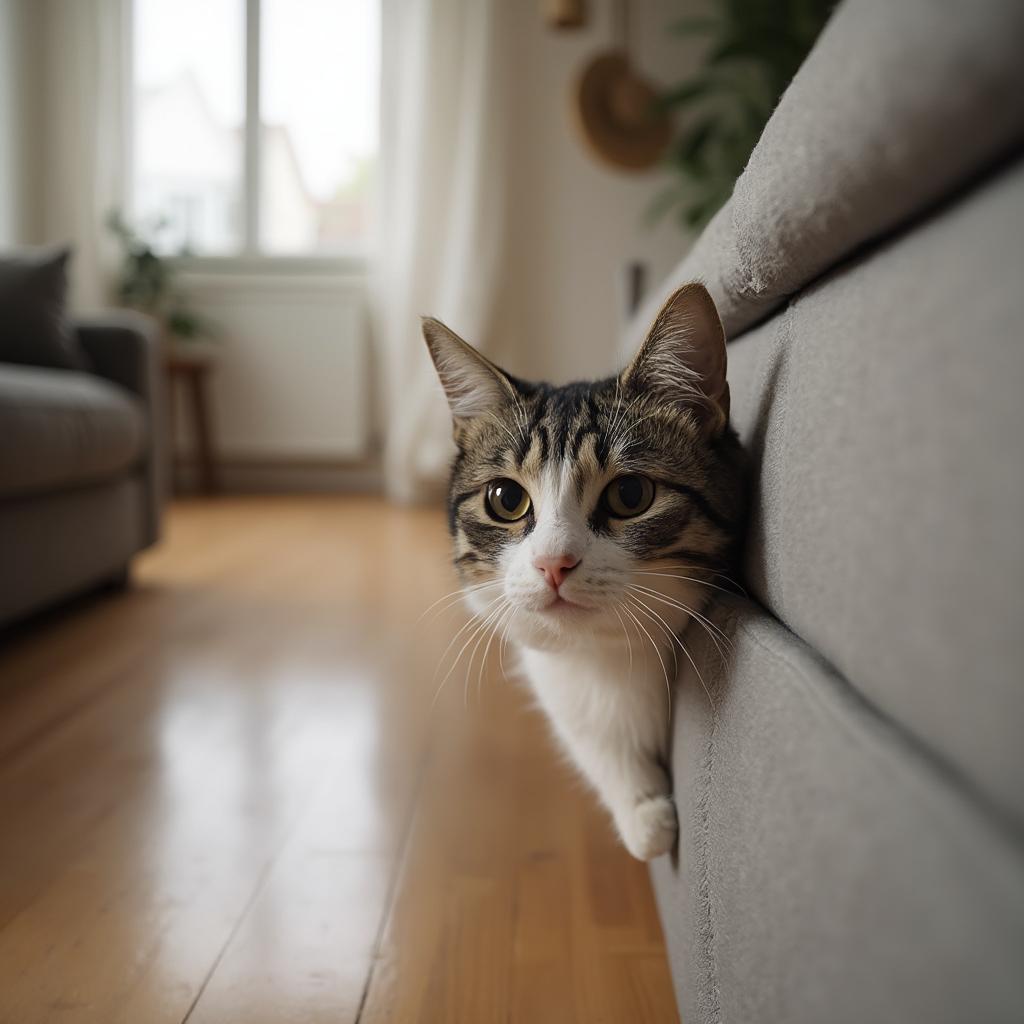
<point>595,509</point>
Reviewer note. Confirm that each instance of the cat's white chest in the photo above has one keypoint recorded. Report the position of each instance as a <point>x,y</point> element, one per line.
<point>613,721</point>
<point>599,694</point>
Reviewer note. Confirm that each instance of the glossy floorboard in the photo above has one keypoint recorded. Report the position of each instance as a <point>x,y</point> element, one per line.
<point>225,796</point>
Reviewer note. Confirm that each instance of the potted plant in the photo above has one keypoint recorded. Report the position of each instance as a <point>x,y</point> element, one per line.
<point>753,50</point>
<point>146,281</point>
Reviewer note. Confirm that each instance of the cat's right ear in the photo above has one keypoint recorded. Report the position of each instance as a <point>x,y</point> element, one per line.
<point>683,359</point>
<point>473,385</point>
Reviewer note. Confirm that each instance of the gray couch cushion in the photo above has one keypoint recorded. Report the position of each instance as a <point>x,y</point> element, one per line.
<point>826,872</point>
<point>897,104</point>
<point>883,413</point>
<point>34,325</point>
<point>60,428</point>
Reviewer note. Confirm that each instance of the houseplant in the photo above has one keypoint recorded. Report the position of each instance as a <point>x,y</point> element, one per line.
<point>752,50</point>
<point>147,282</point>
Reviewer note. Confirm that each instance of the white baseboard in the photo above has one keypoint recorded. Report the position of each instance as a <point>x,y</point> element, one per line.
<point>277,476</point>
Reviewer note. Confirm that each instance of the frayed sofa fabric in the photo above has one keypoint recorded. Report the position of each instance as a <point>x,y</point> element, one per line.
<point>897,106</point>
<point>852,802</point>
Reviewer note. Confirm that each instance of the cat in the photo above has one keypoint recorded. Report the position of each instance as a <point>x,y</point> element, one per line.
<point>593,521</point>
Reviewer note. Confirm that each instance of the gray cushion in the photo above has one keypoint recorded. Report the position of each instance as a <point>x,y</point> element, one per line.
<point>883,413</point>
<point>897,104</point>
<point>34,326</point>
<point>59,429</point>
<point>826,871</point>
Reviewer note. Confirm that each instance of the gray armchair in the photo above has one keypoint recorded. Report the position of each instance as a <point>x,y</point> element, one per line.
<point>82,465</point>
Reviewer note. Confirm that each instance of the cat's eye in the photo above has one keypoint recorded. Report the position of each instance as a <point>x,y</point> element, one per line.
<point>507,500</point>
<point>628,496</point>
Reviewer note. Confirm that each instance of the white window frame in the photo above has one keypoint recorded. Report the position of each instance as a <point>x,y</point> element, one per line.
<point>249,259</point>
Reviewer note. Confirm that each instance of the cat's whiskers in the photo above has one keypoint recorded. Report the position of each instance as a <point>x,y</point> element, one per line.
<point>708,625</point>
<point>629,643</point>
<point>504,641</point>
<point>689,656</point>
<point>657,651</point>
<point>455,596</point>
<point>630,619</point>
<point>721,653</point>
<point>666,629</point>
<point>470,624</point>
<point>681,605</point>
<point>475,624</point>
<point>490,639</point>
<point>479,633</point>
<point>693,579</point>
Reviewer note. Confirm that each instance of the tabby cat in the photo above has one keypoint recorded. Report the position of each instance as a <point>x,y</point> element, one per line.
<point>591,522</point>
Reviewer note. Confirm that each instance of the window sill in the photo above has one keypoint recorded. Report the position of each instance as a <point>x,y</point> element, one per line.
<point>347,265</point>
<point>273,274</point>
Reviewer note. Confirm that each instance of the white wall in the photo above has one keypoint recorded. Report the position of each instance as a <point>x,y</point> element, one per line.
<point>8,125</point>
<point>15,107</point>
<point>574,224</point>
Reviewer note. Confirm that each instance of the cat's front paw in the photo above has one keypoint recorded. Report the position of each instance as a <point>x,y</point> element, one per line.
<point>649,828</point>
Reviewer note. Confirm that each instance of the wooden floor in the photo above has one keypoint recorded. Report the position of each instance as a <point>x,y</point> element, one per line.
<point>224,796</point>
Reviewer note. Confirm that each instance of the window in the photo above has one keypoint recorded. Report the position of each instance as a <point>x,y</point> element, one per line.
<point>255,125</point>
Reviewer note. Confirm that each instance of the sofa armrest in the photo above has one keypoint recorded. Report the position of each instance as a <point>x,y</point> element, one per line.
<point>125,348</point>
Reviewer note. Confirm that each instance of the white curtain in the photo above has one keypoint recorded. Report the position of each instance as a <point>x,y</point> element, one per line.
<point>81,149</point>
<point>440,202</point>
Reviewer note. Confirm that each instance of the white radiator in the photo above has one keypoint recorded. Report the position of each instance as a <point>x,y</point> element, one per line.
<point>292,378</point>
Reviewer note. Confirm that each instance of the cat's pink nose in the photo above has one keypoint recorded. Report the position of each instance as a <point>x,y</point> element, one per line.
<point>556,568</point>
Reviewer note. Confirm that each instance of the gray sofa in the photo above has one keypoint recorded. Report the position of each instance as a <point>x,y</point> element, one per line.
<point>851,804</point>
<point>81,466</point>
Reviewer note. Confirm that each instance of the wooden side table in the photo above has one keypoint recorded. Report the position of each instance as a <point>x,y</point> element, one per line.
<point>191,370</point>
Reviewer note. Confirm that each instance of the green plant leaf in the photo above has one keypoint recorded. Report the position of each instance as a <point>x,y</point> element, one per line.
<point>683,94</point>
<point>697,138</point>
<point>755,48</point>
<point>146,280</point>
<point>694,25</point>
<point>183,323</point>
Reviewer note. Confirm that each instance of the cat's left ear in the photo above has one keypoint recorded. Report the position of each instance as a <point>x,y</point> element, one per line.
<point>683,357</point>
<point>473,385</point>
